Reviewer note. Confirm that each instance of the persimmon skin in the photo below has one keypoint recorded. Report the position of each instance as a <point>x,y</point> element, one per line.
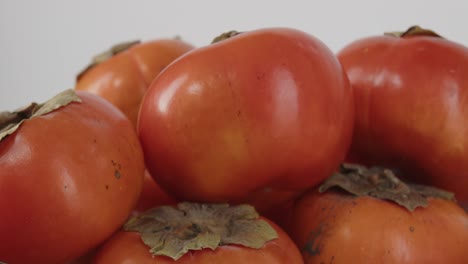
<point>127,247</point>
<point>124,78</point>
<point>339,228</point>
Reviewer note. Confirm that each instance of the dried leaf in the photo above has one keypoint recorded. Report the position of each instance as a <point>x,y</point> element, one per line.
<point>173,231</point>
<point>381,183</point>
<point>11,121</point>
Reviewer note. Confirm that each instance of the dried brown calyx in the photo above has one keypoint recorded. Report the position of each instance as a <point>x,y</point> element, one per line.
<point>413,31</point>
<point>105,55</point>
<point>381,183</point>
<point>11,121</point>
<point>225,35</point>
<point>174,230</point>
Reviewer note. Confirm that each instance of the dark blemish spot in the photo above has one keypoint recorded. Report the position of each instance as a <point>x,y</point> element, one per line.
<point>116,164</point>
<point>312,246</point>
<point>107,187</point>
<point>94,140</point>
<point>117,174</point>
<point>238,113</point>
<point>411,228</point>
<point>65,186</point>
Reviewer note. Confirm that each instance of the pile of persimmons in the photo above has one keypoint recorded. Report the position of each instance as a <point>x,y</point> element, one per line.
<point>262,146</point>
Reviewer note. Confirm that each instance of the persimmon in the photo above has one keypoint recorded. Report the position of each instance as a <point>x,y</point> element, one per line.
<point>254,113</point>
<point>71,172</point>
<point>365,215</point>
<point>411,91</point>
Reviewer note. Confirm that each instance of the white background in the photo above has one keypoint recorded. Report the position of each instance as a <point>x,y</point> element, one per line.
<point>44,43</point>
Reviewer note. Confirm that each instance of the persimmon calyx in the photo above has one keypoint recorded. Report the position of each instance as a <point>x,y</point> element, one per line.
<point>225,35</point>
<point>173,231</point>
<point>11,121</point>
<point>381,183</point>
<point>107,54</point>
<point>413,31</point>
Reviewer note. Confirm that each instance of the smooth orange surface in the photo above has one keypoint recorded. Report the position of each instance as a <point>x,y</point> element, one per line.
<point>412,107</point>
<point>124,78</point>
<point>265,111</point>
<point>127,247</point>
<point>340,229</point>
<point>68,180</point>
